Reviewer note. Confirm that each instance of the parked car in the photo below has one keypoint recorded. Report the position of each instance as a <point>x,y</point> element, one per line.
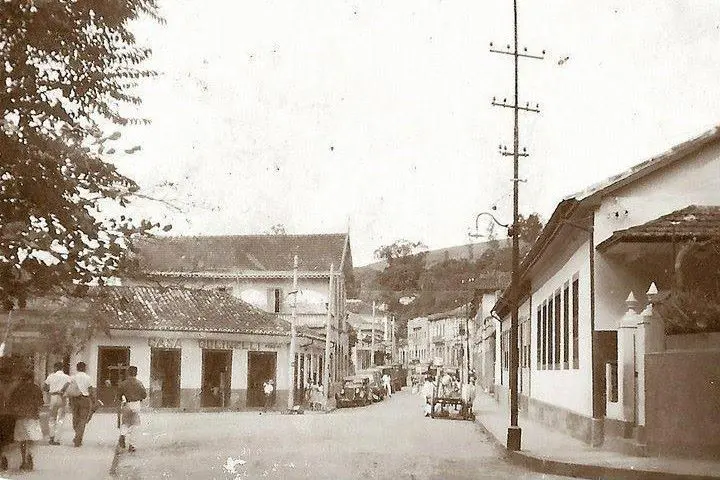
<point>375,377</point>
<point>355,392</point>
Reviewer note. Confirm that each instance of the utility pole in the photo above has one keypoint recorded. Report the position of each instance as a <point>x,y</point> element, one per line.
<point>293,335</point>
<point>514,433</point>
<point>331,308</point>
<point>372,338</point>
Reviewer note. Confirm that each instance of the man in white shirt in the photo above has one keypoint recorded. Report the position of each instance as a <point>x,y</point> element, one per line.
<point>428,391</point>
<point>54,384</point>
<point>387,384</point>
<point>82,402</point>
<point>268,389</point>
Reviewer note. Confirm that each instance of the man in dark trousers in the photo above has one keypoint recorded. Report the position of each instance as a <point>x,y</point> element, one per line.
<point>131,393</point>
<point>82,395</point>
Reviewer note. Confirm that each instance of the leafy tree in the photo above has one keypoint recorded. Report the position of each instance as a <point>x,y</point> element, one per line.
<point>529,228</point>
<point>69,66</point>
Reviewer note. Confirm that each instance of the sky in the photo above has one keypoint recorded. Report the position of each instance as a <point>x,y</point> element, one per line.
<point>375,116</point>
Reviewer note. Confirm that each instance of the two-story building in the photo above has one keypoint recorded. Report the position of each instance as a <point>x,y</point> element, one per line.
<point>447,336</point>
<point>373,331</point>
<point>418,341</point>
<point>259,269</point>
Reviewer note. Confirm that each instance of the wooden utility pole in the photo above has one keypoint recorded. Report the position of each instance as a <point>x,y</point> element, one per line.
<point>330,310</point>
<point>514,433</point>
<point>293,335</point>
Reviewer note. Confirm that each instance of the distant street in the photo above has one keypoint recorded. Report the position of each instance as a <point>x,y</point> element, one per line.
<point>390,439</point>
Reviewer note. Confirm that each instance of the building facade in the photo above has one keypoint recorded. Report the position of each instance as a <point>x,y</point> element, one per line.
<point>258,269</point>
<point>195,349</point>
<point>641,227</point>
<point>374,335</point>
<point>447,337</point>
<point>418,341</point>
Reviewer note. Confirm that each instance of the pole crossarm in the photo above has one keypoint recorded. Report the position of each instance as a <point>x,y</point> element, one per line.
<point>516,53</point>
<point>512,154</point>
<point>505,104</point>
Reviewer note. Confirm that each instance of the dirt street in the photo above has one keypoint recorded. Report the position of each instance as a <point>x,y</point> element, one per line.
<point>390,439</point>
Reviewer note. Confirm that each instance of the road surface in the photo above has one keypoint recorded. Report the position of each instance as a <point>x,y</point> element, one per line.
<point>390,439</point>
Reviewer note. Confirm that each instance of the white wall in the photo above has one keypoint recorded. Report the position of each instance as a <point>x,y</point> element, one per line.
<point>191,355</point>
<point>695,181</point>
<point>575,384</point>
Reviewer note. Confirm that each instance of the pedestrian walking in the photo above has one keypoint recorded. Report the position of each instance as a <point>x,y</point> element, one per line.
<point>131,392</point>
<point>54,384</point>
<point>268,389</point>
<point>428,391</point>
<point>81,391</point>
<point>387,384</point>
<point>26,401</point>
<point>7,416</point>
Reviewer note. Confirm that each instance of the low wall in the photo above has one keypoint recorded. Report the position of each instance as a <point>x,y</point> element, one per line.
<point>683,402</point>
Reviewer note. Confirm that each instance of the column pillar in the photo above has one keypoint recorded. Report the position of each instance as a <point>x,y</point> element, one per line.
<point>626,359</point>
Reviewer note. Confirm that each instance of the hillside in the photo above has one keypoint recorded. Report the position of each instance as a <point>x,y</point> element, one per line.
<point>470,251</point>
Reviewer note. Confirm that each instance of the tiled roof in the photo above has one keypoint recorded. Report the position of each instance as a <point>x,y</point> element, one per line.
<point>239,253</point>
<point>181,309</point>
<point>691,223</point>
<point>572,203</point>
<point>459,312</point>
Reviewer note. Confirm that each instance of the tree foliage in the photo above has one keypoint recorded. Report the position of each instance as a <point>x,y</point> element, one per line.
<point>410,287</point>
<point>70,67</point>
<point>529,228</point>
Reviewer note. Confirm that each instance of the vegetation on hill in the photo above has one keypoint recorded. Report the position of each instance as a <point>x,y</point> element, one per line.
<point>410,287</point>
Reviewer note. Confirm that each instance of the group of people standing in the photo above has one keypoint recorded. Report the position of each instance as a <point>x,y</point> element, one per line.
<point>21,401</point>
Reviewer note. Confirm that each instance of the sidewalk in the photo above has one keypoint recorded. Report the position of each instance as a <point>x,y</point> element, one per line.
<point>549,451</point>
<point>90,461</point>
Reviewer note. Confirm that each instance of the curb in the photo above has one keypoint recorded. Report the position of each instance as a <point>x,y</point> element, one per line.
<point>581,470</point>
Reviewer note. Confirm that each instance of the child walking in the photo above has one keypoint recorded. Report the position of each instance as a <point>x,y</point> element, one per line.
<point>25,402</point>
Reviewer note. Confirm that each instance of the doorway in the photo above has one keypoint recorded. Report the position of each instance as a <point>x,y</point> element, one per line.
<point>113,363</point>
<point>216,372</point>
<point>165,377</point>
<point>261,368</point>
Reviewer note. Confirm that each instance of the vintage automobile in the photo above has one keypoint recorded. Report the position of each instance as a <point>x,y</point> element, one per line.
<point>354,392</point>
<point>374,375</point>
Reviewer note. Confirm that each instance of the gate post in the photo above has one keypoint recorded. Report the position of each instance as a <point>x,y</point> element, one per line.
<point>650,338</point>
<point>627,359</point>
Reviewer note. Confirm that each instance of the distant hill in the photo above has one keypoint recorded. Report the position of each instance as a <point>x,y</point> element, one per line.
<point>470,251</point>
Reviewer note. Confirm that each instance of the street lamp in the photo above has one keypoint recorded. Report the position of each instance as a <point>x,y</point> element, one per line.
<point>477,233</point>
<point>514,432</point>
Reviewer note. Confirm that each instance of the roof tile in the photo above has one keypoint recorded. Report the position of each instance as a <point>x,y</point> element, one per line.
<point>237,253</point>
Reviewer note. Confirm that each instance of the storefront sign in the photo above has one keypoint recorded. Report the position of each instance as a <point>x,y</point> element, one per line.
<point>164,342</point>
<point>215,344</point>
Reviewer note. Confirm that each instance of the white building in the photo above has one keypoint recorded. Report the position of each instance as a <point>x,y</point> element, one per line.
<point>258,269</point>
<point>642,226</point>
